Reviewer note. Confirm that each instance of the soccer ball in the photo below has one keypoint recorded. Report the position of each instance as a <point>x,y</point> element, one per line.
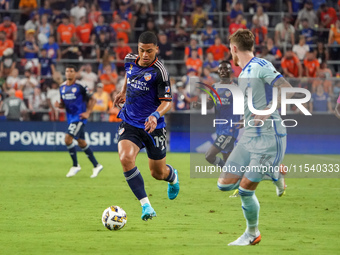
<point>114,218</point>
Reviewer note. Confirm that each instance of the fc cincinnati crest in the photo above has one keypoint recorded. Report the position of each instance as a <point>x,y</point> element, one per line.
<point>228,93</point>
<point>147,76</point>
<point>74,90</point>
<point>121,131</point>
<point>167,89</point>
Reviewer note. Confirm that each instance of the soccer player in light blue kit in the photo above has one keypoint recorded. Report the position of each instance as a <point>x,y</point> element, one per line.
<point>147,96</point>
<point>78,103</point>
<point>261,145</point>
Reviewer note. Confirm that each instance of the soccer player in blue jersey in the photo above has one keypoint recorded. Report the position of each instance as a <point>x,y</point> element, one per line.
<point>262,144</point>
<point>78,103</point>
<point>147,96</point>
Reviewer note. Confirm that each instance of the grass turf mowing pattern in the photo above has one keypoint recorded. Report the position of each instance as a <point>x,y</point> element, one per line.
<point>43,212</point>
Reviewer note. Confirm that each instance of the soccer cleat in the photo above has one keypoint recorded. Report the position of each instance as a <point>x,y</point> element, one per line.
<point>280,186</point>
<point>173,189</point>
<point>235,194</point>
<point>73,171</point>
<point>246,239</point>
<point>148,212</point>
<point>96,170</point>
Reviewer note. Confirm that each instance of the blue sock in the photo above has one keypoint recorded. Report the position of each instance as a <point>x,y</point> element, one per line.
<point>136,182</point>
<point>172,176</point>
<point>89,154</point>
<point>251,209</point>
<point>73,153</point>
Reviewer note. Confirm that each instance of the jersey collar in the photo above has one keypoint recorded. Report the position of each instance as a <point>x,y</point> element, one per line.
<point>244,68</point>
<point>153,62</point>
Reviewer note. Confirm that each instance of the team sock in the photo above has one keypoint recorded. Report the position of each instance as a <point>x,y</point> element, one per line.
<point>89,154</point>
<point>172,177</point>
<point>228,187</point>
<point>219,162</point>
<point>73,153</point>
<point>135,180</point>
<point>251,209</point>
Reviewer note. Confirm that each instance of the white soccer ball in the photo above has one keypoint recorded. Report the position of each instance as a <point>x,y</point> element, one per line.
<point>114,218</point>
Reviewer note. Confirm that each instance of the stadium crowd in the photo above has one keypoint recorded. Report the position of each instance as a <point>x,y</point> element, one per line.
<point>38,38</point>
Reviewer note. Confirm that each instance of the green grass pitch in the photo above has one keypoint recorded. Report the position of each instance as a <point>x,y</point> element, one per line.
<point>43,212</point>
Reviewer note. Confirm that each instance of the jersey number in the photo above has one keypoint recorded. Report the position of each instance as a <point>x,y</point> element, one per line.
<point>160,141</point>
<point>72,127</point>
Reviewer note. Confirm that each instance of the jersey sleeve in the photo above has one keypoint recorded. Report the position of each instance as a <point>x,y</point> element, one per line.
<point>269,74</point>
<point>130,58</point>
<point>163,86</point>
<point>85,91</point>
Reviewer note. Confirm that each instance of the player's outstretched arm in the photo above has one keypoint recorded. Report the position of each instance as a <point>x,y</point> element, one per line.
<point>120,97</point>
<point>90,104</point>
<point>337,110</point>
<point>151,121</point>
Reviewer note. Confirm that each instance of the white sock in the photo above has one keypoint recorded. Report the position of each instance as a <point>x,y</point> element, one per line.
<point>252,230</point>
<point>175,181</point>
<point>144,201</point>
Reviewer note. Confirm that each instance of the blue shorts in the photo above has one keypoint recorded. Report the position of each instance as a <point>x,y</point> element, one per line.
<point>76,130</point>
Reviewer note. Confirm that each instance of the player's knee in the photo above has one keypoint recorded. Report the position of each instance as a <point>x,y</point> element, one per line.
<point>157,174</point>
<point>127,160</point>
<point>68,140</point>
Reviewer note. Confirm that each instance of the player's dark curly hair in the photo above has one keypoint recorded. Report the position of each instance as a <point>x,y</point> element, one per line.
<point>148,37</point>
<point>72,67</point>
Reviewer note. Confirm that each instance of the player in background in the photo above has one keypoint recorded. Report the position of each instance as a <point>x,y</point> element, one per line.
<point>147,96</point>
<point>337,108</point>
<point>262,145</point>
<point>78,103</point>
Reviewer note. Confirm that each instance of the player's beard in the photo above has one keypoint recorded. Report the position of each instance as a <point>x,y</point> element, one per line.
<point>235,59</point>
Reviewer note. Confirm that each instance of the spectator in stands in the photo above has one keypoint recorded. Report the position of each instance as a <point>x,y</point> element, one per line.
<point>194,62</point>
<point>311,65</point>
<point>181,41</point>
<point>123,11</point>
<point>261,16</point>
<point>108,60</point>
<point>321,53</point>
<point>307,13</point>
<point>102,46</point>
<point>324,82</point>
<point>87,77</point>
<point>83,32</point>
<point>181,98</point>
<point>266,54</point>
<point>209,34</point>
<point>151,26</point>
<point>308,32</point>
<point>198,18</point>
<point>109,79</point>
<point>273,50</point>
<point>27,85</point>
<point>121,51</point>
<point>236,10</point>
<point>26,7</point>
<point>187,6</point>
<point>45,30</point>
<point>12,81</point>
<point>324,71</point>
<point>122,28</point>
<point>9,28</point>
<point>5,43</point>
<point>140,19</point>
<point>260,32</point>
<point>46,67</point>
<point>30,46</point>
<point>66,32</point>
<point>207,77</point>
<point>291,65</point>
<point>58,6</point>
<point>334,43</point>
<point>327,16</point>
<point>294,6</point>
<point>237,24</point>
<point>301,49</point>
<point>102,28</point>
<point>105,5</point>
<point>165,48</point>
<point>320,101</point>
<point>102,104</point>
<point>13,107</point>
<point>93,15</point>
<point>4,5</point>
<point>33,22</point>
<point>284,32</point>
<point>193,46</point>
<point>7,62</point>
<point>53,95</point>
<point>78,11</point>
<point>36,104</point>
<point>219,50</point>
<point>210,63</point>
<point>53,50</point>
<point>46,9</point>
<point>113,109</point>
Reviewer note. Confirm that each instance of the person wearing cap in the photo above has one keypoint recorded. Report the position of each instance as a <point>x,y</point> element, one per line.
<point>33,23</point>
<point>307,13</point>
<point>209,34</point>
<point>30,46</point>
<point>5,43</point>
<point>285,32</point>
<point>10,28</point>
